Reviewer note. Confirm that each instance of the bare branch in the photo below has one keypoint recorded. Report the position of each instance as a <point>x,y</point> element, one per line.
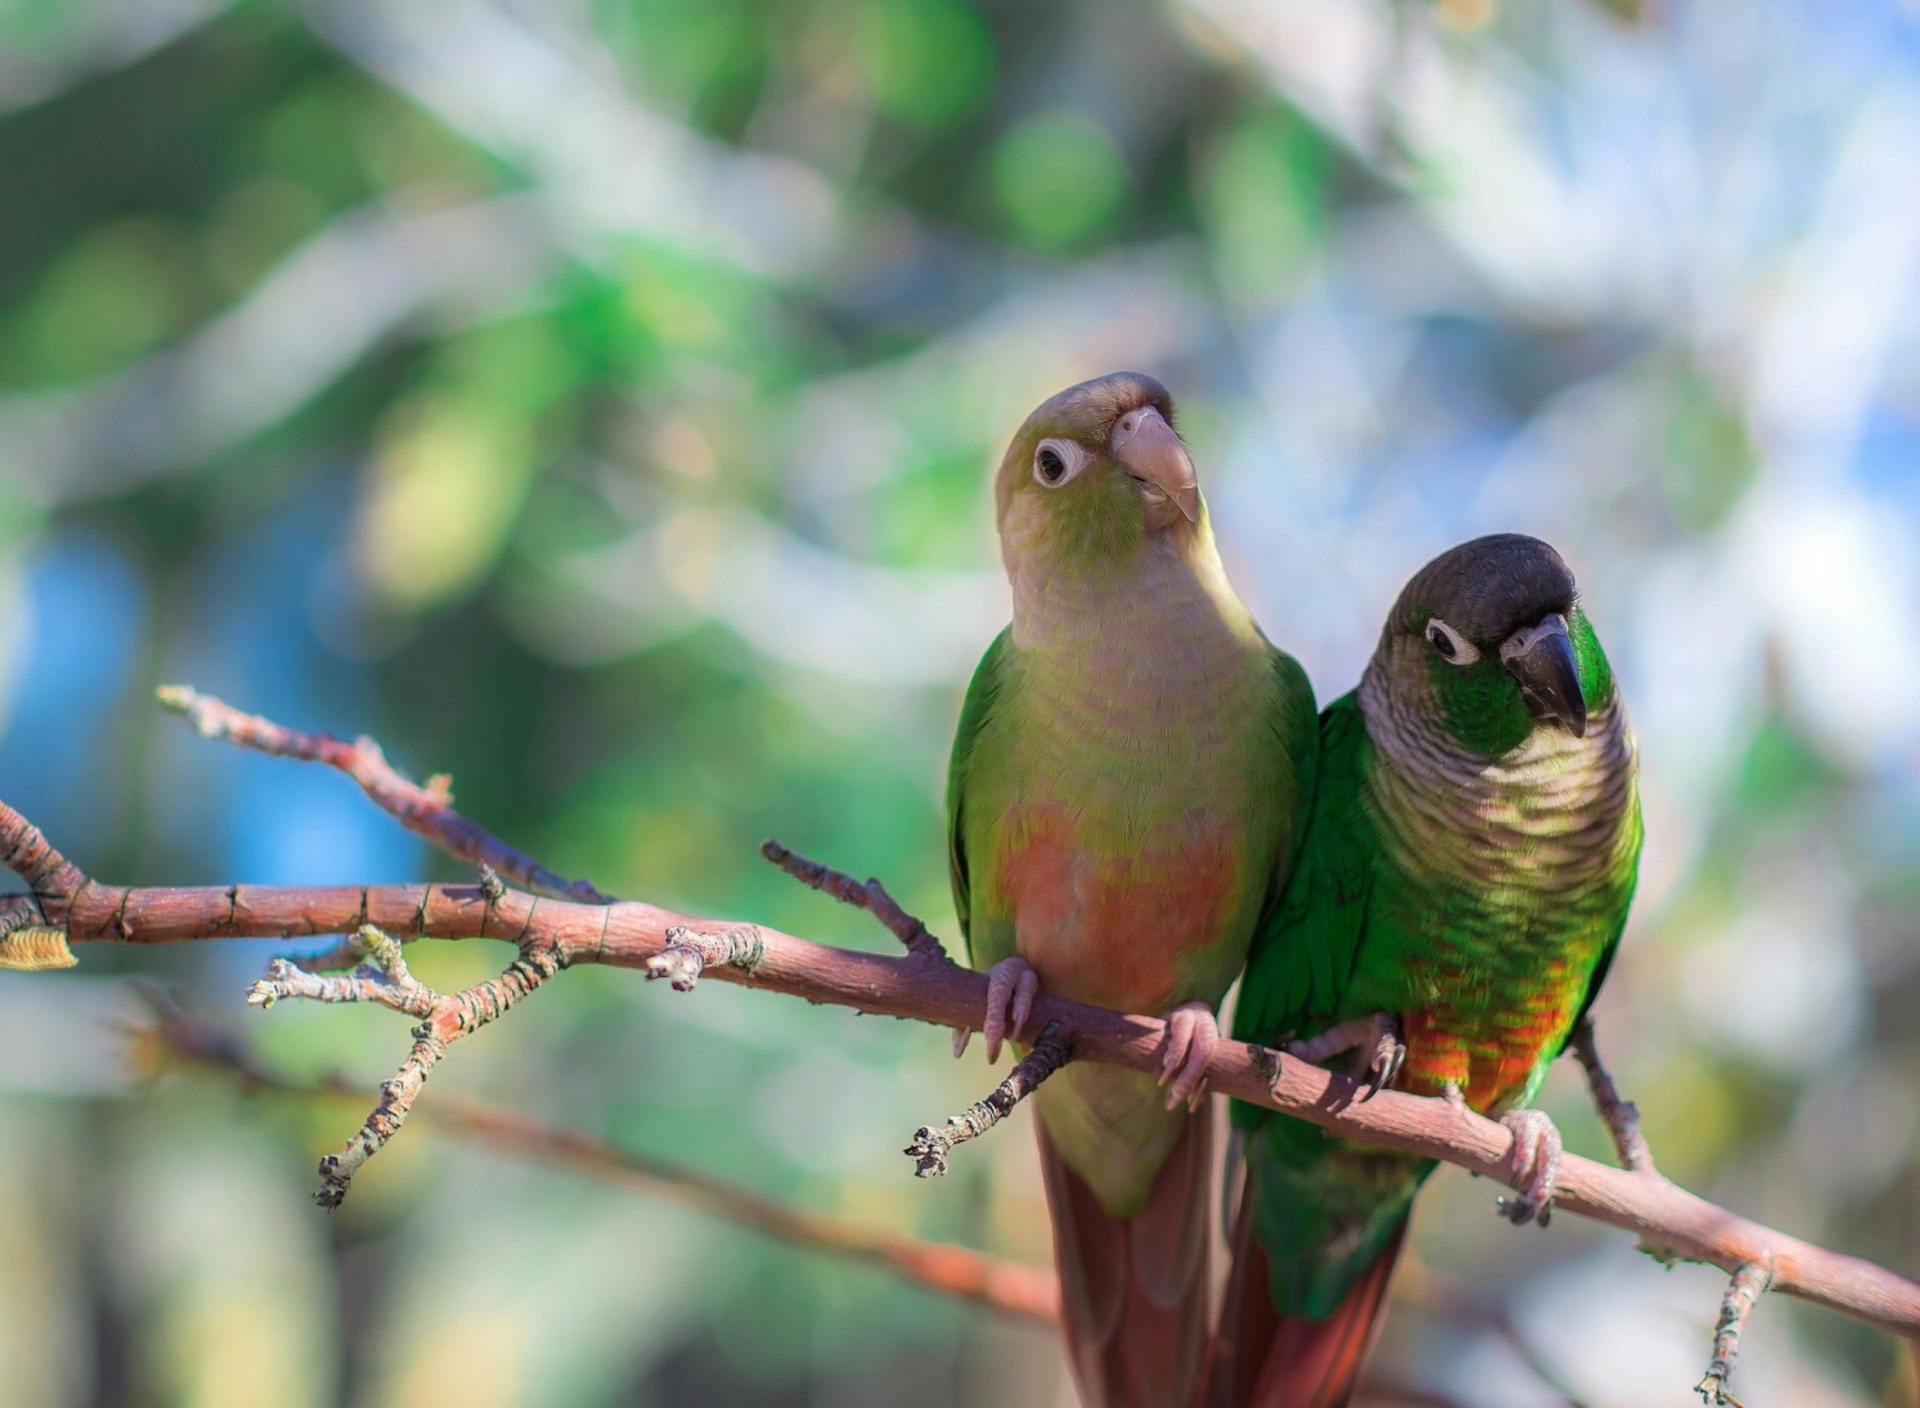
<point>553,934</point>
<point>1622,1117</point>
<point>427,810</point>
<point>1026,1292</point>
<point>627,934</point>
<point>931,1146</point>
<point>444,1019</point>
<point>872,897</point>
<point>1743,1291</point>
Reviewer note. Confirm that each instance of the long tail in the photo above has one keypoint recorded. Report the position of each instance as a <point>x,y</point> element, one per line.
<point>1263,1359</point>
<point>1133,1292</point>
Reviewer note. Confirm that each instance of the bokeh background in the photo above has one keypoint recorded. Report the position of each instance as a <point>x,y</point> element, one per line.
<point>595,399</point>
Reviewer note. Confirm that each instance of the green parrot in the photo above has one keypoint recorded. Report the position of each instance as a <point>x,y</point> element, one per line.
<point>1130,770</point>
<point>1459,893</point>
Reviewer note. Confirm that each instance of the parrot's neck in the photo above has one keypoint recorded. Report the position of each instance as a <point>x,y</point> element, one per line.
<point>1165,612</point>
<point>1552,813</point>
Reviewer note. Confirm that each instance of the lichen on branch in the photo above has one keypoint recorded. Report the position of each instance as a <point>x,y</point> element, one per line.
<point>444,1018</point>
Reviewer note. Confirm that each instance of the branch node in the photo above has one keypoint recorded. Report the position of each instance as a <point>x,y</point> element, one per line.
<point>871,896</point>
<point>689,953</point>
<point>931,1147</point>
<point>491,885</point>
<point>1743,1291</point>
<point>1266,1061</point>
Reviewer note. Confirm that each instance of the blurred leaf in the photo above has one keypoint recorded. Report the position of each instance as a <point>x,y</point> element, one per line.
<point>1709,458</point>
<point>255,224</point>
<point>707,60</point>
<point>1060,179</point>
<point>1261,189</point>
<point>116,293</point>
<point>309,137</point>
<point>930,63</point>
<point>455,462</point>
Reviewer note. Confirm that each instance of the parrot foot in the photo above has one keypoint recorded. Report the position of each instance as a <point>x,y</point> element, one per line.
<point>1011,989</point>
<point>1536,1165</point>
<point>1379,1039</point>
<point>1192,1035</point>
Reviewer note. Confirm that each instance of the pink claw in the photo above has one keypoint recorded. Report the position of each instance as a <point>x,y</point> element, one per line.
<point>1192,1034</point>
<point>1536,1158</point>
<point>1008,981</point>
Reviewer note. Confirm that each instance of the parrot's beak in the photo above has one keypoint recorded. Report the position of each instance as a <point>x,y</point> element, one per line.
<point>1541,658</point>
<point>1147,448</point>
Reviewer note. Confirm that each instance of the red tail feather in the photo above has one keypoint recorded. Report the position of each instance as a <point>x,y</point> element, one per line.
<point>1262,1359</point>
<point>1133,1293</point>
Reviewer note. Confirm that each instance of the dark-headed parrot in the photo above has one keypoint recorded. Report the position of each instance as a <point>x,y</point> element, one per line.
<point>1131,769</point>
<point>1455,904</point>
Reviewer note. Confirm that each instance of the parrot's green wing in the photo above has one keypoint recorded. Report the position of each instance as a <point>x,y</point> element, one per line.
<point>1298,732</point>
<point>1303,953</point>
<point>1323,1207</point>
<point>983,695</point>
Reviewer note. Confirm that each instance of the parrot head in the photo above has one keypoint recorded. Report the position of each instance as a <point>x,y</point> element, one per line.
<point>1490,633</point>
<point>1096,469</point>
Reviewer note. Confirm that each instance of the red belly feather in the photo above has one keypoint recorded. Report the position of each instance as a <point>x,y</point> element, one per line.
<point>1116,930</point>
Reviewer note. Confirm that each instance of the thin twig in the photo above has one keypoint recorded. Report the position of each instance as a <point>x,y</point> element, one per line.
<point>871,896</point>
<point>1622,1117</point>
<point>444,1019</point>
<point>931,1146</point>
<point>1028,1292</point>
<point>1743,1291</point>
<point>427,810</point>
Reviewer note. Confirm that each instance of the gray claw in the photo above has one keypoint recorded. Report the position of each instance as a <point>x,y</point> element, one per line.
<point>1389,1055</point>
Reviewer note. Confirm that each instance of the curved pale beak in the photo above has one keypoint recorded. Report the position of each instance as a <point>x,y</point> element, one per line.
<point>1147,448</point>
<point>1541,658</point>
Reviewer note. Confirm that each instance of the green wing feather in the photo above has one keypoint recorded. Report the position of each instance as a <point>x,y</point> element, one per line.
<point>984,693</point>
<point>1322,1207</point>
<point>1303,954</point>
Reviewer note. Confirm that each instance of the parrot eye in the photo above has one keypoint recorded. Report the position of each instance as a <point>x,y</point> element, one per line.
<point>1057,461</point>
<point>1454,648</point>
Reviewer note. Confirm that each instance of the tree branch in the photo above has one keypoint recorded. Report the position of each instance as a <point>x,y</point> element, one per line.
<point>426,810</point>
<point>628,934</point>
<point>1746,1287</point>
<point>1028,1292</point>
<point>925,986</point>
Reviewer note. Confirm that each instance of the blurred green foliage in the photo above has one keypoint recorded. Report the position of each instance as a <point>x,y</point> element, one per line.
<point>596,402</point>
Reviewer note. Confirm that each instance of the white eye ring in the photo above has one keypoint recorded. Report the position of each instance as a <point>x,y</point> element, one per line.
<point>1057,461</point>
<point>1453,647</point>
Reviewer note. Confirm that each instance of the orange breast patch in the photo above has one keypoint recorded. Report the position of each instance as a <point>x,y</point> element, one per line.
<point>1488,1049</point>
<point>1116,930</point>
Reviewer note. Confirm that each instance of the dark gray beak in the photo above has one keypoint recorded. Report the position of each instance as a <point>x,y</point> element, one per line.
<point>1541,658</point>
